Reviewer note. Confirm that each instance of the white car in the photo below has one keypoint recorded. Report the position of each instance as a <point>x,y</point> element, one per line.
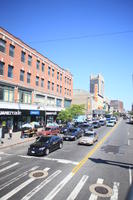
<point>89,138</point>
<point>110,123</point>
<point>113,119</point>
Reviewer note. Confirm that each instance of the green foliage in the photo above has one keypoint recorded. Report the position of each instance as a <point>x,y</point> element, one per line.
<point>70,113</point>
<point>116,113</point>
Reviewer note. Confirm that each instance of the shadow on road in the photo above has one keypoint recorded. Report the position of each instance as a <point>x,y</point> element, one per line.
<point>110,162</point>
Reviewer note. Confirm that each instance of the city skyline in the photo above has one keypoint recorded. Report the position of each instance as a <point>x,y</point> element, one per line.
<point>85,37</point>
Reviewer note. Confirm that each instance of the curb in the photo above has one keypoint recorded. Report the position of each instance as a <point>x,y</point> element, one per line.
<point>8,146</point>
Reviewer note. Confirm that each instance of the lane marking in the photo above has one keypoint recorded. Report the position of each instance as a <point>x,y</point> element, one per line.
<point>78,188</point>
<point>8,167</point>
<point>128,133</point>
<point>115,191</point>
<point>17,178</point>
<point>94,196</point>
<point>17,189</point>
<point>54,192</point>
<point>4,163</point>
<point>128,142</point>
<point>51,159</point>
<point>41,185</point>
<point>130,175</point>
<point>85,159</point>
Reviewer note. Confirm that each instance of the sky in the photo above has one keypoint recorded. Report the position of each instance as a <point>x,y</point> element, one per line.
<point>84,36</point>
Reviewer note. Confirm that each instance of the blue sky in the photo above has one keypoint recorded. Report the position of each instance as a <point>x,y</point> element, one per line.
<point>85,36</point>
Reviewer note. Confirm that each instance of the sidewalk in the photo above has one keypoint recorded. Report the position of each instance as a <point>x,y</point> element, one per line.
<point>15,140</point>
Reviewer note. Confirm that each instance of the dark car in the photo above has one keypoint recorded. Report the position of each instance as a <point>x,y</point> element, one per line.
<point>73,134</point>
<point>45,144</point>
<point>86,127</point>
<point>66,128</point>
<point>96,124</point>
<point>102,122</point>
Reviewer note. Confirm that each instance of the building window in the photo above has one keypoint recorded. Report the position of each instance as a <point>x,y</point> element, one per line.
<point>60,77</point>
<point>29,60</point>
<point>6,94</point>
<point>11,50</point>
<point>28,77</point>
<point>65,80</point>
<point>24,96</point>
<point>58,102</point>
<point>65,90</point>
<point>22,56</point>
<point>2,45</point>
<point>52,72</point>
<point>48,85</point>
<point>57,88</point>
<point>49,71</point>
<point>57,75</point>
<point>43,67</point>
<point>37,81</point>
<point>10,71</point>
<point>21,75</point>
<point>52,86</point>
<point>1,68</point>
<point>67,103</point>
<point>42,82</point>
<point>60,89</point>
<point>37,64</point>
<point>50,101</point>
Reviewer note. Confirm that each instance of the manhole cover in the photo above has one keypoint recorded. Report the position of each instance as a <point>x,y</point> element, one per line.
<point>101,190</point>
<point>38,174</point>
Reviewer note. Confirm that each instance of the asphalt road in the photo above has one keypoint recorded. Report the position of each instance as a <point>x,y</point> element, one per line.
<point>101,171</point>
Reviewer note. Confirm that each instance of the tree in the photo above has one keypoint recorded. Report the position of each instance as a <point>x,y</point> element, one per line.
<point>70,113</point>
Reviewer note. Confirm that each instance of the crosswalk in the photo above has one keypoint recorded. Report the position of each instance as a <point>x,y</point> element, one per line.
<point>14,182</point>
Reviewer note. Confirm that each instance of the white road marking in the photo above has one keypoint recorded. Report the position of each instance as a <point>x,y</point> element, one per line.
<point>77,189</point>
<point>4,163</point>
<point>128,142</point>
<point>8,167</point>
<point>128,133</point>
<point>51,159</point>
<point>17,189</point>
<point>130,176</point>
<point>17,178</point>
<point>54,192</point>
<point>46,169</point>
<point>115,191</point>
<point>41,185</point>
<point>94,196</point>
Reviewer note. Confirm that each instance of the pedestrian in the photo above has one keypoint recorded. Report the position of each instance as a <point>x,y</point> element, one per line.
<point>10,132</point>
<point>1,134</point>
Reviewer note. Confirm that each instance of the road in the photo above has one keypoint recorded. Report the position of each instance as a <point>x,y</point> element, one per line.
<point>101,171</point>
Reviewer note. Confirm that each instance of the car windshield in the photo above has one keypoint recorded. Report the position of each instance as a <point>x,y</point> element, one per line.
<point>43,139</point>
<point>89,134</point>
<point>47,129</point>
<point>94,122</point>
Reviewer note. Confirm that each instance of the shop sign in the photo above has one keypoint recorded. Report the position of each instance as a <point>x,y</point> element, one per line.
<point>34,112</point>
<point>51,113</point>
<point>10,113</point>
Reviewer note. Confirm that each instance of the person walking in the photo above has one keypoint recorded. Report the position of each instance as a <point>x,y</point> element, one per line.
<point>10,132</point>
<point>1,134</point>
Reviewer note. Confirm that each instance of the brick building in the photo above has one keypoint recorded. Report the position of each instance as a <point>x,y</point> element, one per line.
<point>32,87</point>
<point>117,105</point>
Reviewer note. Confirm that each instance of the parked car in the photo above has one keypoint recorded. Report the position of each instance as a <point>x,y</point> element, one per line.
<point>86,126</point>
<point>110,123</point>
<point>73,134</point>
<point>102,122</point>
<point>89,138</point>
<point>66,128</point>
<point>113,119</point>
<point>49,131</point>
<point>96,124</point>
<point>45,144</point>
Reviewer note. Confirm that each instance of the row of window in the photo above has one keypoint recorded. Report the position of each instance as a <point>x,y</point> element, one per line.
<point>23,59</point>
<point>50,86</point>
<point>7,94</point>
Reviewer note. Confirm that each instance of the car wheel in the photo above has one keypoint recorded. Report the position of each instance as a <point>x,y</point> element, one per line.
<point>47,151</point>
<point>60,145</point>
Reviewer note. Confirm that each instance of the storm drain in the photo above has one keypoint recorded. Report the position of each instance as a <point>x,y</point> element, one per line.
<point>101,190</point>
<point>38,174</point>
